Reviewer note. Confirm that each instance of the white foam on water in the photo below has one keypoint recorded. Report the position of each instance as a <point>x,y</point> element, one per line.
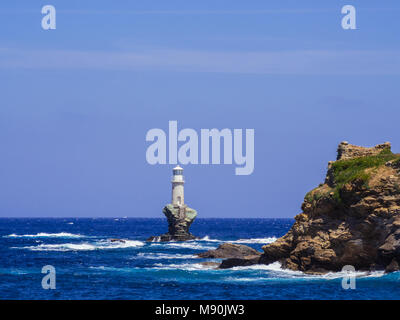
<point>256,240</point>
<point>357,274</point>
<point>184,245</point>
<point>45,235</point>
<point>189,245</point>
<point>114,269</point>
<point>101,245</point>
<point>207,239</point>
<point>251,240</point>
<point>160,256</point>
<point>197,242</point>
<point>276,267</point>
<point>183,266</point>
<point>255,279</point>
<point>119,245</point>
<point>60,247</point>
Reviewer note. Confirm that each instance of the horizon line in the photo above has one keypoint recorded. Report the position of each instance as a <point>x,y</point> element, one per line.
<point>102,217</point>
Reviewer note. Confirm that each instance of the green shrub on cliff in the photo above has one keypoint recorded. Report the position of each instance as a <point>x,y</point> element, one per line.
<point>309,196</point>
<point>314,195</point>
<point>322,191</point>
<point>346,171</point>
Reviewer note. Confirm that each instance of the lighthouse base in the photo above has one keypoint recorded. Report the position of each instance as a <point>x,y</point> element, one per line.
<point>179,220</point>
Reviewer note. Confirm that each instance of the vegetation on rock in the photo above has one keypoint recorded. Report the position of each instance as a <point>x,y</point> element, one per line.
<point>347,171</point>
<point>351,170</point>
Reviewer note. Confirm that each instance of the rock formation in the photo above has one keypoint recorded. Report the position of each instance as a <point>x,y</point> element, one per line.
<point>234,255</point>
<point>353,218</point>
<point>179,220</point>
<point>229,250</point>
<point>347,151</point>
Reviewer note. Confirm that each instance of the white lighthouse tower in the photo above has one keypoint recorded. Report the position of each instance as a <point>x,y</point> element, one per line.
<point>178,214</point>
<point>177,187</point>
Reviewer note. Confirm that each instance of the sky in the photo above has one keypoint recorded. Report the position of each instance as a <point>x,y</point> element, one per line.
<point>76,102</point>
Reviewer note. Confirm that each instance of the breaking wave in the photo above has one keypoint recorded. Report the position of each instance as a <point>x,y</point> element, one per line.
<point>256,240</point>
<point>249,241</point>
<point>161,256</point>
<point>101,245</point>
<point>244,279</point>
<point>45,235</point>
<point>184,245</point>
<point>276,268</point>
<point>183,266</point>
<point>207,239</point>
<point>115,269</point>
<point>188,245</point>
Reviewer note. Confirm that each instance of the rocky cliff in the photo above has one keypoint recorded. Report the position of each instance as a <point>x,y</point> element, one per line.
<point>353,218</point>
<point>179,220</point>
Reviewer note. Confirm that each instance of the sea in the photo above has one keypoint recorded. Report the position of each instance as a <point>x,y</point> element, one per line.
<point>88,265</point>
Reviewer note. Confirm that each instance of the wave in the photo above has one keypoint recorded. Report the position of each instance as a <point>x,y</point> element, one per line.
<point>276,268</point>
<point>183,245</point>
<point>244,279</point>
<point>183,266</point>
<point>256,240</point>
<point>45,235</point>
<point>357,274</point>
<point>251,240</point>
<point>255,273</point>
<point>60,247</point>
<point>273,272</point>
<point>101,245</point>
<point>120,245</point>
<point>189,245</point>
<point>160,256</point>
<point>116,269</point>
<point>207,239</point>
<point>157,266</point>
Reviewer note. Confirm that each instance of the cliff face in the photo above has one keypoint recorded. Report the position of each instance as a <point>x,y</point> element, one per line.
<point>353,218</point>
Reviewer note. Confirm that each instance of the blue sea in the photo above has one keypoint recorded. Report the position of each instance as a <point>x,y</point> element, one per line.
<point>90,266</point>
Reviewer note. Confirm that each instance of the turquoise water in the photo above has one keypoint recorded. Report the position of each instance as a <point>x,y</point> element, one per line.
<point>89,266</point>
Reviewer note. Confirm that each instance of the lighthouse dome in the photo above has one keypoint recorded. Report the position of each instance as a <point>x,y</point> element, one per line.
<point>177,170</point>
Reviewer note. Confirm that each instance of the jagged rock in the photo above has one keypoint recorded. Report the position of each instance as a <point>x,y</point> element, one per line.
<point>351,219</point>
<point>179,220</point>
<point>240,262</point>
<point>229,250</point>
<point>118,240</point>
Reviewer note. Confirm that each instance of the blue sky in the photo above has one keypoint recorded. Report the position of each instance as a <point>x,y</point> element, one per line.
<point>76,102</point>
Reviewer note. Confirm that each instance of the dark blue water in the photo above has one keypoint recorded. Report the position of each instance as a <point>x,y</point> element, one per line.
<point>89,266</point>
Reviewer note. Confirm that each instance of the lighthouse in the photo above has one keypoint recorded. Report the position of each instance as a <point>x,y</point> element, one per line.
<point>178,214</point>
<point>177,187</point>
